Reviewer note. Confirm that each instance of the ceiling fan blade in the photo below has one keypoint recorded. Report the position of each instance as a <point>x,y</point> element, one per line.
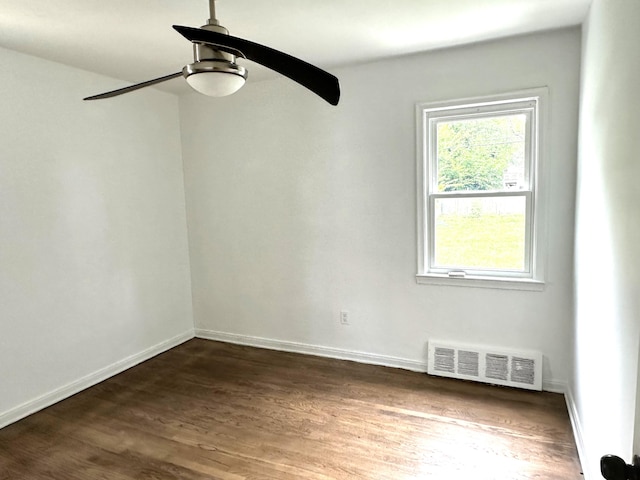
<point>120,91</point>
<point>315,79</point>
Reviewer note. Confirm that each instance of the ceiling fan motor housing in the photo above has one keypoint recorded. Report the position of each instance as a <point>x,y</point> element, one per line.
<point>202,51</point>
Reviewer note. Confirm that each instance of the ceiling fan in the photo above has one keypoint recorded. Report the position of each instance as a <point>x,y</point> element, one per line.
<point>214,71</point>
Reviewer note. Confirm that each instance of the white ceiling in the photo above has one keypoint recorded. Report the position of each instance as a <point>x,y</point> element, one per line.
<point>132,40</point>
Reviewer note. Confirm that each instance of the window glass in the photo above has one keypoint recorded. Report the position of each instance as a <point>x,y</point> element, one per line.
<point>480,154</point>
<point>480,233</point>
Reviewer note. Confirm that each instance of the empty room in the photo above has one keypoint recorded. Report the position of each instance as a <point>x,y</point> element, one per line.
<point>319,240</point>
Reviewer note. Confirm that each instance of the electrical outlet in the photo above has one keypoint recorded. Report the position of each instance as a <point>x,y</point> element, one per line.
<point>344,317</point>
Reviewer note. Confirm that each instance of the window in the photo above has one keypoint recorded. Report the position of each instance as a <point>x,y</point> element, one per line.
<point>479,208</point>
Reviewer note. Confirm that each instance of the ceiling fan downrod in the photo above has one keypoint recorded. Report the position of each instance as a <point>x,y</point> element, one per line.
<point>212,13</point>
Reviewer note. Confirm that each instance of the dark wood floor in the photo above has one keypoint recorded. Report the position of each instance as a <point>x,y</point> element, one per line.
<point>207,410</point>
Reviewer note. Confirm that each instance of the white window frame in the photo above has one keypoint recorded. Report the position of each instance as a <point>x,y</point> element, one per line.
<point>533,104</point>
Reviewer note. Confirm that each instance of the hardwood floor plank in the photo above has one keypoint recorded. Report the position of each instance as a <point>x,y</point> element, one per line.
<point>207,410</point>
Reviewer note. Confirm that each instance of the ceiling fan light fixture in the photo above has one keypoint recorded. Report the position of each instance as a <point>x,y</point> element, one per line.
<point>215,78</point>
<point>214,71</point>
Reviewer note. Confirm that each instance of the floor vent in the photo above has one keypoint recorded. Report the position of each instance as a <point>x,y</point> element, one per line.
<point>499,366</point>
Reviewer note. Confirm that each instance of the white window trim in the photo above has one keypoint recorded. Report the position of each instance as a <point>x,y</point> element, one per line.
<point>537,239</point>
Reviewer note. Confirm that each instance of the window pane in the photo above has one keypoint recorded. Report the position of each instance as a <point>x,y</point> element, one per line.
<point>481,154</point>
<point>480,233</point>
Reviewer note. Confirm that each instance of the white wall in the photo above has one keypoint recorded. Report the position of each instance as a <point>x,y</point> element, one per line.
<point>94,267</point>
<point>607,264</point>
<point>297,209</point>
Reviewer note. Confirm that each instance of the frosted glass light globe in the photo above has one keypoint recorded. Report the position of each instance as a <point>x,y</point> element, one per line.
<point>215,84</point>
<point>215,78</point>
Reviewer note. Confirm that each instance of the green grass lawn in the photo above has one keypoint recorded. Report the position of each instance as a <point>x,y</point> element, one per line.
<point>487,241</point>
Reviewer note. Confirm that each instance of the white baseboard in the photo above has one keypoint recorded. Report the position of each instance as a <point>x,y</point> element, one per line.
<point>554,386</point>
<point>330,352</point>
<point>576,424</point>
<point>48,399</point>
<point>316,350</point>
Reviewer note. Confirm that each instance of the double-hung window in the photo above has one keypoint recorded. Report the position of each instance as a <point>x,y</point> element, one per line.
<point>479,193</point>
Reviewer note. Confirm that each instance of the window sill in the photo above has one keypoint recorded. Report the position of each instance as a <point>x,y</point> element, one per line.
<point>503,283</point>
